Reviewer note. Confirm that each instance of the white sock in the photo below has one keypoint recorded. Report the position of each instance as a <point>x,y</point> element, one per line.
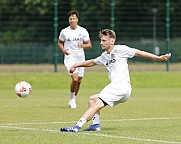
<point>72,95</point>
<point>81,122</point>
<point>96,119</point>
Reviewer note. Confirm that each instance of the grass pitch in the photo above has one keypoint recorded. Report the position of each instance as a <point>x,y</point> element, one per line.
<point>151,115</point>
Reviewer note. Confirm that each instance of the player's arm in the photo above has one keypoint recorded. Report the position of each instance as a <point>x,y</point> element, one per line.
<point>152,56</point>
<point>87,63</point>
<point>61,47</point>
<point>87,45</point>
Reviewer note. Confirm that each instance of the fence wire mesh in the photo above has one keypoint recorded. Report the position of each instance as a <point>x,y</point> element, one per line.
<point>27,27</point>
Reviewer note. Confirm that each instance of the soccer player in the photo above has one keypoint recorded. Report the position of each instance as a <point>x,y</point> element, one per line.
<point>72,42</point>
<point>119,89</point>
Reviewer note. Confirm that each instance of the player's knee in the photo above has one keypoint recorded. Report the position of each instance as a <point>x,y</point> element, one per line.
<point>92,100</point>
<point>75,80</point>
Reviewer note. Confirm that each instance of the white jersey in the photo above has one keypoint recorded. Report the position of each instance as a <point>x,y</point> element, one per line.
<point>116,62</point>
<point>71,38</point>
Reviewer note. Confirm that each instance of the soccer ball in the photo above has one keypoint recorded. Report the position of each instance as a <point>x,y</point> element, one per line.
<point>23,89</point>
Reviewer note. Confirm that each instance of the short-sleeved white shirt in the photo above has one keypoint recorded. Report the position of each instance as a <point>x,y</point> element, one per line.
<point>119,90</point>
<point>116,62</point>
<point>71,38</point>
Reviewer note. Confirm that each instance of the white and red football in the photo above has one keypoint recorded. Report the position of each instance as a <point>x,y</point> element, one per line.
<point>23,89</point>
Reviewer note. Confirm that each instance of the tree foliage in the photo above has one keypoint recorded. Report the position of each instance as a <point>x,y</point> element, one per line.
<point>33,20</point>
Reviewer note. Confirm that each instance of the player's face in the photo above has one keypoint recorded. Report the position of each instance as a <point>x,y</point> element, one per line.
<point>73,20</point>
<point>105,42</point>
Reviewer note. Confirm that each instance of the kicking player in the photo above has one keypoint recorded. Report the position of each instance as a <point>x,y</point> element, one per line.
<point>119,89</point>
<point>72,42</point>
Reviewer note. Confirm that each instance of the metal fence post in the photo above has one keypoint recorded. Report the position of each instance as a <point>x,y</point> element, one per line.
<point>167,30</point>
<point>55,34</point>
<point>112,15</point>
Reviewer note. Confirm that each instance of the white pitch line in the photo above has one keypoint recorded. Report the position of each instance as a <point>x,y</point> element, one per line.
<point>37,123</point>
<point>132,138</point>
<point>32,129</point>
<point>115,120</point>
<point>143,119</point>
<point>97,135</point>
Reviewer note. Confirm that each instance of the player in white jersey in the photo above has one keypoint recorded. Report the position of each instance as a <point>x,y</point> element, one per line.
<point>119,89</point>
<point>72,41</point>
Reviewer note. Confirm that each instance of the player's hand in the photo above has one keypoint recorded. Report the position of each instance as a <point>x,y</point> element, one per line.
<point>165,57</point>
<point>80,45</point>
<point>66,51</point>
<point>72,69</point>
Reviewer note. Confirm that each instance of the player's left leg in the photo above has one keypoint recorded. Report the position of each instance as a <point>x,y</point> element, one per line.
<point>78,85</point>
<point>73,85</point>
<point>95,126</point>
<point>95,104</point>
<point>80,71</point>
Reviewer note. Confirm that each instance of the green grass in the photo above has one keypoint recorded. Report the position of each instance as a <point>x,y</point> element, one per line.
<point>151,115</point>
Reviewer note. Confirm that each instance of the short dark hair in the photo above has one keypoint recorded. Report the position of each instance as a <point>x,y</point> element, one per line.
<point>107,32</point>
<point>73,12</point>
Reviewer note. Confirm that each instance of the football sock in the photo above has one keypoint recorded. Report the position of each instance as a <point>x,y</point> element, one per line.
<point>72,95</point>
<point>96,119</point>
<point>81,122</point>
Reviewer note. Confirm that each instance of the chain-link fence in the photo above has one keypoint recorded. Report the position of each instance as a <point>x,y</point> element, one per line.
<point>27,27</point>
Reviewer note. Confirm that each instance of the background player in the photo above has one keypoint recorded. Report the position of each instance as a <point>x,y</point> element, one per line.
<point>72,41</point>
<point>119,89</point>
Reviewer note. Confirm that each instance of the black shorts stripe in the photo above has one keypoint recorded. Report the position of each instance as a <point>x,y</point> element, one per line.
<point>105,104</point>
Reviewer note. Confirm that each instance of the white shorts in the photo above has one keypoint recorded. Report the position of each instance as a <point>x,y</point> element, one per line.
<point>70,61</point>
<point>115,93</point>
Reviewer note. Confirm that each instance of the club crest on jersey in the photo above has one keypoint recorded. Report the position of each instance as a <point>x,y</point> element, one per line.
<point>79,34</point>
<point>112,60</point>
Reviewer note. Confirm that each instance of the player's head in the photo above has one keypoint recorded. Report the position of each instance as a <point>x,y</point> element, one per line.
<point>107,38</point>
<point>73,18</point>
<point>73,12</point>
